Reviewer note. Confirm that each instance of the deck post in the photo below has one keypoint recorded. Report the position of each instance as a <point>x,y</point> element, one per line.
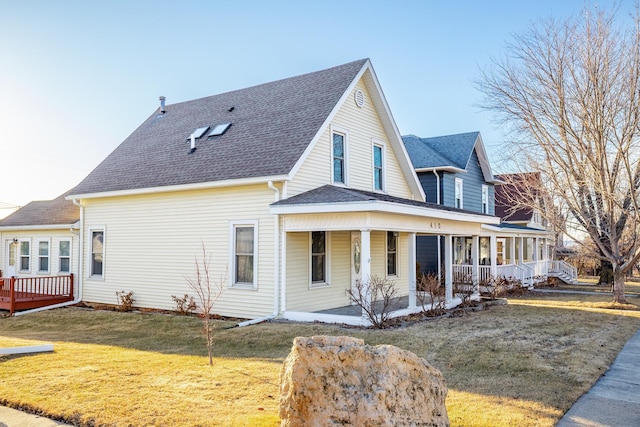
<point>12,295</point>
<point>71,286</point>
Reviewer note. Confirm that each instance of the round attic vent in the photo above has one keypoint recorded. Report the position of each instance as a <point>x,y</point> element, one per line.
<point>359,97</point>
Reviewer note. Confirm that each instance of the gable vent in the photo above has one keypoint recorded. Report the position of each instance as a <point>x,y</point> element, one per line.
<point>359,98</point>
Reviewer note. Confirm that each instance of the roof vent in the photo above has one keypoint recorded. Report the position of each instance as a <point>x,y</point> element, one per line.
<point>162,108</point>
<point>219,129</point>
<point>359,98</point>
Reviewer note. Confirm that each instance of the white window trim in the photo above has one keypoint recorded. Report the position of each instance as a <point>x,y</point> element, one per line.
<point>19,255</point>
<point>232,254</point>
<point>376,142</point>
<point>345,133</point>
<point>70,256</point>
<point>327,260</point>
<point>386,251</point>
<point>48,270</point>
<point>458,182</point>
<point>485,199</point>
<point>90,231</point>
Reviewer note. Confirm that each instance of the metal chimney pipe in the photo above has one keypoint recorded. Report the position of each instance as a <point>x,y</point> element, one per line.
<point>162,108</point>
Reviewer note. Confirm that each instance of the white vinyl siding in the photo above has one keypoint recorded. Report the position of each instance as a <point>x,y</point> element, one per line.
<point>301,296</point>
<point>363,126</point>
<point>153,241</point>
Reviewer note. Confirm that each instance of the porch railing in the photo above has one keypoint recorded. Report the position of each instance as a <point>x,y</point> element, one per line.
<point>564,270</point>
<point>525,273</point>
<point>31,292</point>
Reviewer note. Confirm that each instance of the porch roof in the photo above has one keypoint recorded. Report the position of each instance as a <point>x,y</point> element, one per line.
<point>516,229</point>
<point>330,198</point>
<point>56,213</point>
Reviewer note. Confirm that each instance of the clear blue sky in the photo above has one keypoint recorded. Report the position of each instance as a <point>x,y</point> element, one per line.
<point>77,77</point>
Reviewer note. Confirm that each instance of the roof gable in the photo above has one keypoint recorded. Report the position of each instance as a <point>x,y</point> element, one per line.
<point>271,127</point>
<point>448,152</point>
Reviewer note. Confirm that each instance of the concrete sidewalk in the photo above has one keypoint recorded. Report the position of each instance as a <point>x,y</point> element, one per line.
<point>14,418</point>
<point>614,400</point>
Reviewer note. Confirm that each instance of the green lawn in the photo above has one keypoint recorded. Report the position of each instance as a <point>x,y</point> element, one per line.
<point>520,364</point>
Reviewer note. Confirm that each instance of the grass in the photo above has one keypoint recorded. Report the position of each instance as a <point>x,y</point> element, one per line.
<point>522,364</point>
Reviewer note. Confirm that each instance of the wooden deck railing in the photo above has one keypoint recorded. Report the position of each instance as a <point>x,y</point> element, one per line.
<point>18,293</point>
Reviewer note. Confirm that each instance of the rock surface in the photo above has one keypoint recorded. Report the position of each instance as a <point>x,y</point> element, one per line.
<point>330,381</point>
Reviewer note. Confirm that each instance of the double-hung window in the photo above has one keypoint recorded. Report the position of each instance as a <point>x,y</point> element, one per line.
<point>43,256</point>
<point>318,257</point>
<point>244,254</point>
<point>458,193</point>
<point>339,157</point>
<point>64,256</point>
<point>485,199</point>
<point>392,253</point>
<point>378,152</point>
<point>25,255</point>
<point>97,252</point>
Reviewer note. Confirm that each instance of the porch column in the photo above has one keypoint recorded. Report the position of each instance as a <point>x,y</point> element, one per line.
<point>475,246</point>
<point>512,250</point>
<point>448,267</point>
<point>283,272</point>
<point>521,250</point>
<point>493,248</point>
<point>412,269</point>
<point>365,257</point>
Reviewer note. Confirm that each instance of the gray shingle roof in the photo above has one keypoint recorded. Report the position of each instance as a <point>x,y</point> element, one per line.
<point>45,212</point>
<point>272,125</point>
<point>441,151</point>
<point>332,194</point>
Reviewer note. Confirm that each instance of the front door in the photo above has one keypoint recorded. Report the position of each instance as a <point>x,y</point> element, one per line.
<point>356,262</point>
<point>10,264</point>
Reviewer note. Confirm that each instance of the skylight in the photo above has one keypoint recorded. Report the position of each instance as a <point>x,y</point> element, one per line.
<point>219,129</point>
<point>199,132</point>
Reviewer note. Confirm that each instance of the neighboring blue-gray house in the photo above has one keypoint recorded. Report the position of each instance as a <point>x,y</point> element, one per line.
<point>454,171</point>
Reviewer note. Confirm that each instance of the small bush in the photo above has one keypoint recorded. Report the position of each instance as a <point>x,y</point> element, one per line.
<point>375,297</point>
<point>184,305</point>
<point>125,300</point>
<point>431,294</point>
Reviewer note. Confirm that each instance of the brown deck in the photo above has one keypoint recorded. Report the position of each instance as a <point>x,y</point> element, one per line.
<point>24,293</point>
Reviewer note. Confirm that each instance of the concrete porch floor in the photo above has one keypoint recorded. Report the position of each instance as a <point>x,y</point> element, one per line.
<point>399,303</point>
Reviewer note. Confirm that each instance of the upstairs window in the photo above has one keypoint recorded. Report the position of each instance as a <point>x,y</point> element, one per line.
<point>485,199</point>
<point>377,167</point>
<point>339,158</point>
<point>458,193</point>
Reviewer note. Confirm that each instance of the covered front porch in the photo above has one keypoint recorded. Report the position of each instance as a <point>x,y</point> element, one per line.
<point>328,248</point>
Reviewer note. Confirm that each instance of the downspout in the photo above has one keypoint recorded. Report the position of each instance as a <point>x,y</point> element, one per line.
<point>78,298</point>
<point>435,172</point>
<point>276,253</point>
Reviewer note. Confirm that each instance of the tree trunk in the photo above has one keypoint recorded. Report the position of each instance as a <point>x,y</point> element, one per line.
<point>606,273</point>
<point>618,287</point>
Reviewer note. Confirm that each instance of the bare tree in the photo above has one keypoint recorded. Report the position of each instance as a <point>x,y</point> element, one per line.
<point>569,91</point>
<point>207,291</point>
<point>375,296</point>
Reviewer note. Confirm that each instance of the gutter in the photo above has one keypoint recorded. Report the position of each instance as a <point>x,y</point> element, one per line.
<point>276,255</point>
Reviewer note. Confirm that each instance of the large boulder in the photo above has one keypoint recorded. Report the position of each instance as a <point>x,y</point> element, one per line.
<point>327,381</point>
